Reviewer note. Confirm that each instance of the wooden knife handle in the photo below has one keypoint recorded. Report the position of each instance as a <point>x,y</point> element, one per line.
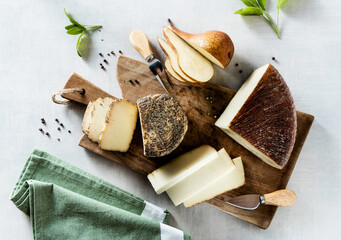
<point>140,42</point>
<point>280,198</point>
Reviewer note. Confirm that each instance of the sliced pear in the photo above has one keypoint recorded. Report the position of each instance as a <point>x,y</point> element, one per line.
<point>171,71</point>
<point>216,46</point>
<point>173,58</point>
<point>191,62</point>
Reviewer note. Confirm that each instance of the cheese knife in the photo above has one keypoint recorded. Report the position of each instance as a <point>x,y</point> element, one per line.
<point>141,43</point>
<point>280,198</point>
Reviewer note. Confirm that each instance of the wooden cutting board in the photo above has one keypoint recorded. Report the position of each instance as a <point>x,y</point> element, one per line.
<point>203,103</point>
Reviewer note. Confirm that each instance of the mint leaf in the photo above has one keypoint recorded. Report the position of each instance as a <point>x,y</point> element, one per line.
<point>280,3</point>
<point>262,3</point>
<point>250,3</point>
<point>70,26</point>
<point>75,30</point>
<point>93,27</point>
<point>79,44</point>
<point>249,11</point>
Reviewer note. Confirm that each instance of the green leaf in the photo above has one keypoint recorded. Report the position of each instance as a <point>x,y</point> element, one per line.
<point>280,3</point>
<point>72,20</point>
<point>91,27</point>
<point>75,30</point>
<point>262,3</point>
<point>79,44</point>
<point>70,26</point>
<point>249,11</point>
<point>250,3</point>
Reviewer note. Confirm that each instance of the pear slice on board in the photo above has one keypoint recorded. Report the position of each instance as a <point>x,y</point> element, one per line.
<point>171,70</point>
<point>191,62</point>
<point>173,58</point>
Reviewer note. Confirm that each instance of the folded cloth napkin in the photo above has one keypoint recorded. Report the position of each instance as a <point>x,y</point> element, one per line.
<point>65,202</point>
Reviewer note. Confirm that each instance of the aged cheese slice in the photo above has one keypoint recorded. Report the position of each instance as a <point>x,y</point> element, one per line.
<point>181,167</point>
<point>262,117</point>
<point>87,117</point>
<point>224,183</point>
<point>98,115</point>
<point>163,124</point>
<point>201,178</point>
<point>119,126</point>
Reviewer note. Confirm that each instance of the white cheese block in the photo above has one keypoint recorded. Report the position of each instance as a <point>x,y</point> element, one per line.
<point>262,117</point>
<point>98,115</point>
<point>224,183</point>
<point>119,126</point>
<point>87,117</point>
<point>181,167</point>
<point>201,178</point>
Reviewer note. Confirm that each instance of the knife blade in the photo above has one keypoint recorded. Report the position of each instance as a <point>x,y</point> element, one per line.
<point>280,198</point>
<point>141,43</point>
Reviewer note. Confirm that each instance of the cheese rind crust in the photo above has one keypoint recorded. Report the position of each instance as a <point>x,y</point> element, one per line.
<point>267,120</point>
<point>163,122</point>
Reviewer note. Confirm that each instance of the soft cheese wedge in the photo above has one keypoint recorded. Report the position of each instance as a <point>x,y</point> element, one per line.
<point>226,182</point>
<point>98,115</point>
<point>87,117</point>
<point>191,62</point>
<point>262,117</point>
<point>173,60</point>
<point>119,127</point>
<point>181,167</point>
<point>171,70</point>
<point>201,178</point>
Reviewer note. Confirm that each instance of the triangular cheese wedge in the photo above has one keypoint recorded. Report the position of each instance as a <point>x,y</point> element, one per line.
<point>262,117</point>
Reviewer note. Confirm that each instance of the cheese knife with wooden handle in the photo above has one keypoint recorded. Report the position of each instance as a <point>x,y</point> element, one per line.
<point>280,198</point>
<point>140,42</point>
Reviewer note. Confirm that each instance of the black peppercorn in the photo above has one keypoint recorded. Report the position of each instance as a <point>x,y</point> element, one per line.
<point>240,71</point>
<point>120,52</point>
<point>43,121</point>
<point>58,129</point>
<point>273,58</point>
<point>236,64</point>
<point>56,120</point>
<point>47,134</point>
<point>112,52</point>
<point>62,125</point>
<point>40,129</point>
<point>101,54</point>
<point>69,131</point>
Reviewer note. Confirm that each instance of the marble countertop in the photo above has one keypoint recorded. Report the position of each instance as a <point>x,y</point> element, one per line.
<point>37,57</point>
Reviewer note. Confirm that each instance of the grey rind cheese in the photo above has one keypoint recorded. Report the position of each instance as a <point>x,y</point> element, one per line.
<point>163,122</point>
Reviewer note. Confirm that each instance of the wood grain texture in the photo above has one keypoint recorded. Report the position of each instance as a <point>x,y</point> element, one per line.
<point>92,92</point>
<point>281,198</point>
<point>260,177</point>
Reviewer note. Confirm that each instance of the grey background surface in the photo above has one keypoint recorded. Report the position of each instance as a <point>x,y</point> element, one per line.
<point>37,57</point>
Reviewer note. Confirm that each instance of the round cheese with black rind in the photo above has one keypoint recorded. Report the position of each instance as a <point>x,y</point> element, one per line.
<point>163,122</point>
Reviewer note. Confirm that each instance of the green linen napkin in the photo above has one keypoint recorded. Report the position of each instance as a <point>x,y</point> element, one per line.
<point>65,202</point>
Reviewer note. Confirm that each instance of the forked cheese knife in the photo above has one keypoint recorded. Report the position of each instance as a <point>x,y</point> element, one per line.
<point>140,42</point>
<point>280,198</point>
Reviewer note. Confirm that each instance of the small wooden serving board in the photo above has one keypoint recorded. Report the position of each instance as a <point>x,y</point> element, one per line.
<point>201,102</point>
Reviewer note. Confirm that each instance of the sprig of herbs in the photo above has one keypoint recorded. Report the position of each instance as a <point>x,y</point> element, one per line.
<point>76,28</point>
<point>257,7</point>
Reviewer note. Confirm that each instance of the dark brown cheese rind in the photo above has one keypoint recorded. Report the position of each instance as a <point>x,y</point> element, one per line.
<point>163,122</point>
<point>267,119</point>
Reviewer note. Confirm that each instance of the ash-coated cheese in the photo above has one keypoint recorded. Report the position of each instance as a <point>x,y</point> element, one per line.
<point>262,117</point>
<point>163,122</point>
